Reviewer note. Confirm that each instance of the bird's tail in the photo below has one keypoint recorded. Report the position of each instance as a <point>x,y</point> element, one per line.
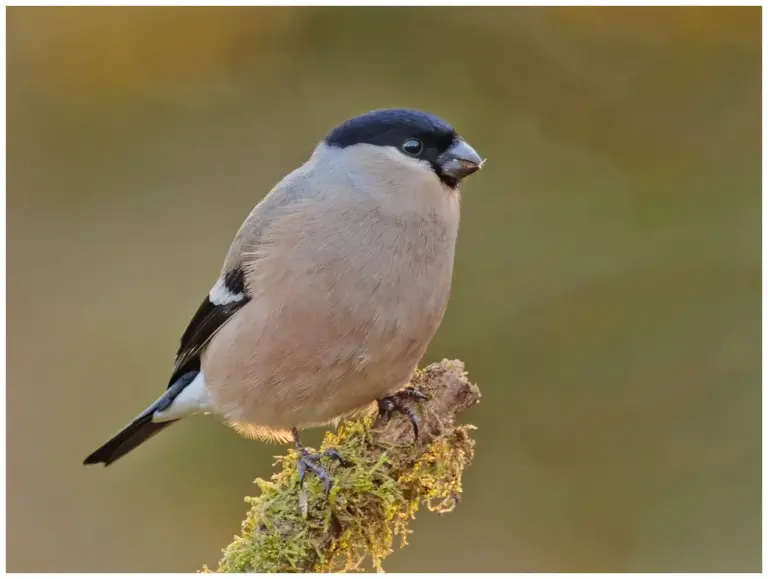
<point>143,428</point>
<point>140,430</point>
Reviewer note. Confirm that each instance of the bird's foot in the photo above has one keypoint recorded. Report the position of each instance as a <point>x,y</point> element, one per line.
<point>396,403</point>
<point>311,462</point>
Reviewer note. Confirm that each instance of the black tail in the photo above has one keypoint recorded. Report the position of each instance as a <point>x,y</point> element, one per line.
<point>142,428</point>
<point>138,431</point>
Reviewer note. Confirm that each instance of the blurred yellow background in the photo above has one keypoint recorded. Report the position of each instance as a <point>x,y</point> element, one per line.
<point>606,293</point>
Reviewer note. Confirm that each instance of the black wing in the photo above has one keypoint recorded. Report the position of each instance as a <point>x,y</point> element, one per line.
<point>209,319</point>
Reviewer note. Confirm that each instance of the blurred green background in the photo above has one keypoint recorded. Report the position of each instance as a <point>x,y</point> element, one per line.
<point>606,294</point>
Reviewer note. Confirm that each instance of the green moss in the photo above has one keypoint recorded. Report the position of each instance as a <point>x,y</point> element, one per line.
<point>370,505</point>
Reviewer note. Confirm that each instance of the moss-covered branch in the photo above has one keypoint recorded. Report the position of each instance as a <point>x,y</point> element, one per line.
<point>373,500</point>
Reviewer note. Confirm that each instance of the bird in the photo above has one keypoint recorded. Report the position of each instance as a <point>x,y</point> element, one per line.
<point>331,290</point>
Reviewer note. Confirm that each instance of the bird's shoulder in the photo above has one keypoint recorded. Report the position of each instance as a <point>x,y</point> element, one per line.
<point>228,295</point>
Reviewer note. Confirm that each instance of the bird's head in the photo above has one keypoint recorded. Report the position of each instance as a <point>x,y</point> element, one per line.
<point>416,137</point>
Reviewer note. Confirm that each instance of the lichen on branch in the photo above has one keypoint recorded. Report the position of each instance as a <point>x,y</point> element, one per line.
<point>372,501</point>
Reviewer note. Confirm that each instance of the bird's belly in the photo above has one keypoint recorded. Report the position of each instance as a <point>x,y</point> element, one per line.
<point>309,365</point>
<point>307,386</point>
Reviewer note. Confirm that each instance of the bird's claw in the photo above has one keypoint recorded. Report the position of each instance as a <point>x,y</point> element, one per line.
<point>396,403</point>
<point>311,462</point>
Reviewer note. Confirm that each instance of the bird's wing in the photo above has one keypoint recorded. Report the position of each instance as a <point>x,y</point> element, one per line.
<point>228,295</point>
<point>230,292</point>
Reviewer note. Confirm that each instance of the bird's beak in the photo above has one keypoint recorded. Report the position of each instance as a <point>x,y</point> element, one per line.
<point>460,160</point>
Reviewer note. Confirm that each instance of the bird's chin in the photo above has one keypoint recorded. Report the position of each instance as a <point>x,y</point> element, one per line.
<point>448,181</point>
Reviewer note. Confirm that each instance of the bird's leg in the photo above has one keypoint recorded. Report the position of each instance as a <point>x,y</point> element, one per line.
<point>308,461</point>
<point>396,403</point>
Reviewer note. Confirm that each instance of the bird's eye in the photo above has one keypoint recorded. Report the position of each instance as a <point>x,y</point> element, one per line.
<point>413,147</point>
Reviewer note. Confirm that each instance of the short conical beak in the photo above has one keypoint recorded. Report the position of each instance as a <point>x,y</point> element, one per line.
<point>460,160</point>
